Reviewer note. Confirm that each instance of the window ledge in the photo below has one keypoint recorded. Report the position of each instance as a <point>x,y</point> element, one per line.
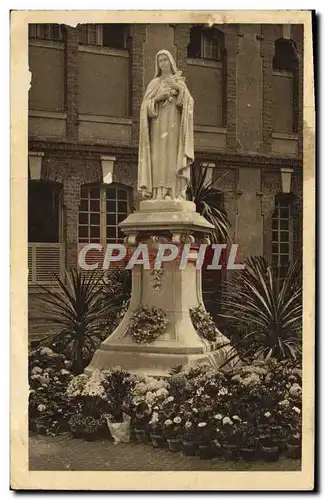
<point>207,63</point>
<point>210,129</point>
<point>48,44</point>
<point>284,135</point>
<point>287,74</point>
<point>57,115</point>
<point>106,51</point>
<point>105,119</point>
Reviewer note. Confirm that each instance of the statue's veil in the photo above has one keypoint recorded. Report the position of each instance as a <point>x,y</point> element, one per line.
<point>171,59</point>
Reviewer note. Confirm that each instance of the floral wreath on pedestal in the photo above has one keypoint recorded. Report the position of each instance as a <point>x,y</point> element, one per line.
<point>147,324</point>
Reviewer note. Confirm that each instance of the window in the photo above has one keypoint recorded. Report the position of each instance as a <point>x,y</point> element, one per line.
<point>205,43</point>
<point>44,212</point>
<point>46,31</point>
<point>105,35</point>
<point>285,86</point>
<point>281,237</point>
<point>101,210</point>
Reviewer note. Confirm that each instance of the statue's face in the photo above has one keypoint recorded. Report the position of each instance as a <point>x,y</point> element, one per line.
<point>164,63</point>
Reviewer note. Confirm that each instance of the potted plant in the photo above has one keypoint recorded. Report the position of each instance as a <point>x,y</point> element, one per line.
<point>230,438</point>
<point>249,440</point>
<point>141,417</point>
<point>174,431</point>
<point>156,427</point>
<point>189,442</point>
<point>92,427</point>
<point>77,425</point>
<point>268,439</point>
<point>205,439</point>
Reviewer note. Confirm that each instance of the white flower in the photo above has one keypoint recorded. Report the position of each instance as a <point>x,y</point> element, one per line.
<point>227,420</point>
<point>188,424</point>
<point>64,372</point>
<point>284,403</point>
<point>36,370</point>
<point>161,392</point>
<point>200,391</point>
<point>223,391</point>
<point>170,399</point>
<point>177,420</point>
<point>235,417</point>
<point>46,351</point>
<point>168,422</point>
<point>267,414</point>
<point>41,407</point>
<point>218,416</point>
<point>201,424</point>
<point>195,410</point>
<point>297,410</point>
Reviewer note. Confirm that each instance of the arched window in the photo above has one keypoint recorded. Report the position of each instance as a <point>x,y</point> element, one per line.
<point>285,86</point>
<point>102,208</point>
<point>282,235</point>
<point>205,43</point>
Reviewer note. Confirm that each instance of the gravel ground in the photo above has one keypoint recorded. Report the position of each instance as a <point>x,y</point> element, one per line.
<point>67,453</point>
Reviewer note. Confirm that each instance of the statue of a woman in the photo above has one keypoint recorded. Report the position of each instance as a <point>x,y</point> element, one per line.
<point>166,133</point>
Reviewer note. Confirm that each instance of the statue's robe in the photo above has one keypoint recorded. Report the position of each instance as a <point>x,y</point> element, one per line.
<point>166,145</point>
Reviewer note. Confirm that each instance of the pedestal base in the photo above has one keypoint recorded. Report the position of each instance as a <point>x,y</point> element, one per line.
<point>179,291</point>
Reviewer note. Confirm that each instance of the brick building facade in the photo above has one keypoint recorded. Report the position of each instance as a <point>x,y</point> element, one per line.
<point>86,90</point>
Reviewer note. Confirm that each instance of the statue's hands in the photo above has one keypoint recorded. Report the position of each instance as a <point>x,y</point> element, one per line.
<point>162,97</point>
<point>171,81</point>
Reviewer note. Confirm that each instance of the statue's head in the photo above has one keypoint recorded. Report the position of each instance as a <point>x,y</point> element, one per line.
<point>165,63</point>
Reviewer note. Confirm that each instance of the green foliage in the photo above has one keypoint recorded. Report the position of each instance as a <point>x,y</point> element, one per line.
<point>266,311</point>
<point>77,309</point>
<point>206,198</point>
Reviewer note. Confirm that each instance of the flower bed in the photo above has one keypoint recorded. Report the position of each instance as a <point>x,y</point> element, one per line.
<point>253,412</point>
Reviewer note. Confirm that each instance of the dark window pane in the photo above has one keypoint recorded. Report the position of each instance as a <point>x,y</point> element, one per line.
<point>122,206</point>
<point>121,217</point>
<point>84,206</point>
<point>94,192</point>
<point>274,236</point>
<point>122,195</point>
<point>114,36</point>
<point>83,218</point>
<point>110,206</point>
<point>284,236</point>
<point>95,219</point>
<point>284,212</point>
<point>94,240</point>
<point>275,223</point>
<point>111,232</point>
<point>275,248</point>
<point>284,248</point>
<point>111,219</point>
<point>83,240</point>
<point>83,231</point>
<point>94,205</point>
<point>274,260</point>
<point>284,224</point>
<point>120,233</point>
<point>110,240</point>
<point>95,231</point>
<point>110,193</point>
<point>284,260</point>
<point>84,192</point>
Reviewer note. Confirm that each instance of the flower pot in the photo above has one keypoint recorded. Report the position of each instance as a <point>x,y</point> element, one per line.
<point>270,453</point>
<point>230,451</point>
<point>217,448</point>
<point>90,436</point>
<point>40,427</point>
<point>293,451</point>
<point>189,448</point>
<point>142,436</point>
<point>158,441</point>
<point>248,454</point>
<point>174,445</point>
<point>206,451</point>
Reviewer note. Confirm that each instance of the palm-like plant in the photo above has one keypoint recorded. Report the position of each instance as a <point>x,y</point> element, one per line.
<point>116,292</point>
<point>268,312</point>
<point>77,309</point>
<point>206,198</point>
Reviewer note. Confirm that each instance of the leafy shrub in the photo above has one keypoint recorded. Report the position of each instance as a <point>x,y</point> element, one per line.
<point>268,313</point>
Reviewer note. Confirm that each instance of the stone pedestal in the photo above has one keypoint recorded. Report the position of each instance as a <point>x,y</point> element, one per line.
<point>165,221</point>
